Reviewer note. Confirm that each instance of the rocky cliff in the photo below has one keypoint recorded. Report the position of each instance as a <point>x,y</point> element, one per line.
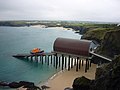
<point>110,45</point>
<point>107,78</point>
<point>107,75</point>
<point>96,34</point>
<point>108,38</point>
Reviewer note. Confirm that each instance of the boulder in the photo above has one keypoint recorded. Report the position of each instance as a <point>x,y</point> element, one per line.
<point>2,83</point>
<point>29,85</point>
<point>81,83</point>
<point>14,85</point>
<point>26,84</point>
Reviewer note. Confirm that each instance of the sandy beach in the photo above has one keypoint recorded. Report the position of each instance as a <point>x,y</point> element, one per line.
<point>38,26</point>
<point>66,78</point>
<point>43,26</point>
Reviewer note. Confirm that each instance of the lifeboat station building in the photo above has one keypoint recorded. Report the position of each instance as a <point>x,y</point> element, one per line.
<point>76,51</point>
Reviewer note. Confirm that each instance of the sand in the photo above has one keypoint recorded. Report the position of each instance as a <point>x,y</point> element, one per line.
<point>66,78</point>
<point>43,26</point>
<point>38,26</point>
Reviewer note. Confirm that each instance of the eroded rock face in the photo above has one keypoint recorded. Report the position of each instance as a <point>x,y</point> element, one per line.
<point>111,44</point>
<point>107,38</point>
<point>107,78</point>
<point>100,71</point>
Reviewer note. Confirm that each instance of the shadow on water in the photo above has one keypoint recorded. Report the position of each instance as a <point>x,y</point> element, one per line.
<point>34,63</point>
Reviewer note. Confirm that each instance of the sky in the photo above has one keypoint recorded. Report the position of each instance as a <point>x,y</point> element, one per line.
<point>76,10</point>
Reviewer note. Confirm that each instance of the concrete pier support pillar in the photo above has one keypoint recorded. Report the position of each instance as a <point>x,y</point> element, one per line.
<point>56,60</point>
<point>51,59</point>
<point>62,61</point>
<point>42,59</point>
<point>59,60</point>
<point>77,64</point>
<point>86,65</point>
<point>65,62</point>
<point>82,62</point>
<point>48,60</point>
<point>69,63</point>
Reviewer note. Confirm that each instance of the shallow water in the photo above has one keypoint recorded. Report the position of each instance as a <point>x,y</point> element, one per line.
<point>16,40</point>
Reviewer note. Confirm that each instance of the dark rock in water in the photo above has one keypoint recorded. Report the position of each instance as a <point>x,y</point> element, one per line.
<point>21,83</point>
<point>2,83</point>
<point>81,83</point>
<point>14,85</point>
<point>29,85</point>
<point>26,84</point>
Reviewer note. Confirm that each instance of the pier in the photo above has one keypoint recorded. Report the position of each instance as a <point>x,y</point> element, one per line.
<point>58,60</point>
<point>67,53</point>
<point>31,55</point>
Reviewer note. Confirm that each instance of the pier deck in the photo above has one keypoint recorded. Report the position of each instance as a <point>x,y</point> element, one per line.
<point>31,55</point>
<point>63,60</point>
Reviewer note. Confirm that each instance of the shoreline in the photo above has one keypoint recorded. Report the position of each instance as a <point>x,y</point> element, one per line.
<point>42,26</point>
<point>65,78</point>
<point>51,78</point>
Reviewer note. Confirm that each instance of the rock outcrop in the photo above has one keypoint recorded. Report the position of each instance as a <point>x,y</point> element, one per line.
<point>110,45</point>
<point>96,34</point>
<point>24,84</point>
<point>14,85</point>
<point>107,78</point>
<point>108,38</point>
<point>3,83</point>
<point>81,83</point>
<point>78,29</point>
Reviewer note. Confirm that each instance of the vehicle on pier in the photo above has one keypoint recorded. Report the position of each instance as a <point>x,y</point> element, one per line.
<point>36,51</point>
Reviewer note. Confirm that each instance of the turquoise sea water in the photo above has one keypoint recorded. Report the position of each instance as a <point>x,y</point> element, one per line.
<point>16,40</point>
